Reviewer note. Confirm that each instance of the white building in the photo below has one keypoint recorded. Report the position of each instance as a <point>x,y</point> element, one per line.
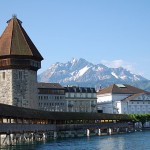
<point>123,99</point>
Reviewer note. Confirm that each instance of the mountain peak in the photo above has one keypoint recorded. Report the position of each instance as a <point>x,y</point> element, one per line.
<point>84,73</point>
<point>74,60</point>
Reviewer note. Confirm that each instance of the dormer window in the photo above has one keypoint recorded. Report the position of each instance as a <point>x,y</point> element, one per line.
<point>121,85</point>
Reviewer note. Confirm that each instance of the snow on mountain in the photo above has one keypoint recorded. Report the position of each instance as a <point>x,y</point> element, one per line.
<point>83,73</point>
<point>114,75</point>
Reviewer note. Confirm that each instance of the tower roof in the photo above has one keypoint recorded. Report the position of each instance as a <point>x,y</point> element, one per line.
<point>15,42</point>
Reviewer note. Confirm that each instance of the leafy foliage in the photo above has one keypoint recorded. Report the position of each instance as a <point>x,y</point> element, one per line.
<point>140,117</point>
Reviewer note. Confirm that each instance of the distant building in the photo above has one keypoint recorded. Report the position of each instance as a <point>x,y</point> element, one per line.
<point>123,99</point>
<point>81,99</point>
<point>19,62</point>
<point>54,97</point>
<point>51,97</point>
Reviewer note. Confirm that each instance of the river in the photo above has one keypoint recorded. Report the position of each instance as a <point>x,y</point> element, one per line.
<point>129,141</point>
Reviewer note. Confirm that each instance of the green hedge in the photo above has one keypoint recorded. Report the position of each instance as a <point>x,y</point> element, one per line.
<point>140,117</point>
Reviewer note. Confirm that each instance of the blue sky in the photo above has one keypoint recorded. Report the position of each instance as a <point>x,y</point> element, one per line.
<point>112,32</point>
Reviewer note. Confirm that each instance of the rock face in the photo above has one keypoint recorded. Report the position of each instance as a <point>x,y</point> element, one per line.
<point>83,73</point>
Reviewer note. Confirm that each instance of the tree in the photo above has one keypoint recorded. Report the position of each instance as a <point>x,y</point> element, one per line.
<point>140,118</point>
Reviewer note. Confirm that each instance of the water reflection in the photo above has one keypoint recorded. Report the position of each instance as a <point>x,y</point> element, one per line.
<point>110,142</point>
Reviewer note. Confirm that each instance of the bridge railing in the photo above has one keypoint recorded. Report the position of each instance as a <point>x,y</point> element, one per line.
<point>92,126</point>
<point>9,127</point>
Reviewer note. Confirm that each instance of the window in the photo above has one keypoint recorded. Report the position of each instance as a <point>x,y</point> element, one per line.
<point>20,75</point>
<point>3,75</point>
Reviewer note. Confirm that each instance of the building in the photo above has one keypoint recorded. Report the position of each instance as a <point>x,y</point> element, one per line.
<point>54,97</point>
<point>51,97</point>
<point>81,99</point>
<point>123,99</point>
<point>19,62</point>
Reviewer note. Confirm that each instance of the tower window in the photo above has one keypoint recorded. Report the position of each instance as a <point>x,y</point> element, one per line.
<point>20,75</point>
<point>3,75</point>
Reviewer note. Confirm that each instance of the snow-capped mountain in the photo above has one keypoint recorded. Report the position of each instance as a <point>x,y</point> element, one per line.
<point>83,73</point>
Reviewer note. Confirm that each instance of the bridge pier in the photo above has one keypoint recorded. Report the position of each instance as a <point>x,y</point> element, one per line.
<point>109,131</point>
<point>55,134</point>
<point>44,136</point>
<point>118,129</point>
<point>87,132</point>
<point>11,133</point>
<point>6,139</point>
<point>99,132</point>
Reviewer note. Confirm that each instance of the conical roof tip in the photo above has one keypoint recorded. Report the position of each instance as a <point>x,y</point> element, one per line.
<point>15,41</point>
<point>14,17</point>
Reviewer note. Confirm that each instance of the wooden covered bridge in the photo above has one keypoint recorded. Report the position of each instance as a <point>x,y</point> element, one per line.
<point>21,124</point>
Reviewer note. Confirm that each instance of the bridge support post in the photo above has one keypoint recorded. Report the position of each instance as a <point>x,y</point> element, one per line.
<point>109,131</point>
<point>118,130</point>
<point>99,132</point>
<point>55,134</point>
<point>87,132</point>
<point>0,140</point>
<point>11,139</point>
<point>32,136</point>
<point>22,137</point>
<point>44,136</point>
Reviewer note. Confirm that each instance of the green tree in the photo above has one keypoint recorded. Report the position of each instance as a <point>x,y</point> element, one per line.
<point>140,118</point>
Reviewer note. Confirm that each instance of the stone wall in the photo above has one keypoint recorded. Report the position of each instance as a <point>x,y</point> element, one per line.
<point>19,88</point>
<point>6,87</point>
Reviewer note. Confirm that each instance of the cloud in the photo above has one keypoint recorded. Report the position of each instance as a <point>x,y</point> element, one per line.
<point>119,63</point>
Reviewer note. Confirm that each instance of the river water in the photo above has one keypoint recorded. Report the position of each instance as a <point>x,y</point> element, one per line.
<point>129,141</point>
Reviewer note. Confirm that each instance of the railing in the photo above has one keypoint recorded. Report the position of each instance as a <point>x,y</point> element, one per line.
<point>88,126</point>
<point>10,127</point>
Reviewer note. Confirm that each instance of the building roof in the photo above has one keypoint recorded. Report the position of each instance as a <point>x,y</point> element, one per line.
<point>9,111</point>
<point>76,89</point>
<point>121,89</point>
<point>49,85</point>
<point>15,42</point>
<point>132,97</point>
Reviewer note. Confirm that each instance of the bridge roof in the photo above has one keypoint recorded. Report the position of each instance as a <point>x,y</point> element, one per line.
<point>19,112</point>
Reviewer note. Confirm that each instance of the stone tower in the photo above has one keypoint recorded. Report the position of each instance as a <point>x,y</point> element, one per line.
<point>19,62</point>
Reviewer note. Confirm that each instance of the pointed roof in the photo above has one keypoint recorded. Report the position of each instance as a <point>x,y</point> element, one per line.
<point>121,89</point>
<point>15,42</point>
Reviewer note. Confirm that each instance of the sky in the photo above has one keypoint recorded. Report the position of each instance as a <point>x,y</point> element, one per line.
<point>113,32</point>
